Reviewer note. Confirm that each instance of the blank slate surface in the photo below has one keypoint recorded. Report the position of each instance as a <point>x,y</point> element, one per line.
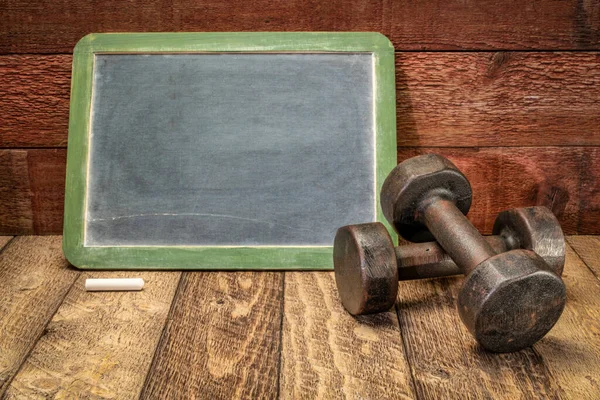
<point>225,150</point>
<point>230,149</point>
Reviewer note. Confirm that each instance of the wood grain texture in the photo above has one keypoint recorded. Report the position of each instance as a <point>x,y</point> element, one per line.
<point>98,344</point>
<point>34,99</point>
<point>4,241</point>
<point>16,213</point>
<point>492,24</point>
<point>443,99</point>
<point>447,363</point>
<point>571,350</point>
<point>328,354</point>
<point>222,338</point>
<point>565,179</point>
<point>498,99</point>
<point>32,27</point>
<point>32,186</point>
<point>47,181</point>
<point>588,249</point>
<point>433,24</point>
<point>34,279</point>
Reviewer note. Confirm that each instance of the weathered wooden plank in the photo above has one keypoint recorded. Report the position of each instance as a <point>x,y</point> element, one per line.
<point>565,179</point>
<point>498,99</point>
<point>492,24</point>
<point>32,187</point>
<point>222,339</point>
<point>34,279</point>
<point>588,249</point>
<point>444,99</point>
<point>16,214</point>
<point>31,27</point>
<point>571,350</point>
<point>589,214</point>
<point>47,182</point>
<point>34,99</point>
<point>433,24</point>
<point>446,361</point>
<point>328,354</point>
<point>4,241</point>
<point>99,344</point>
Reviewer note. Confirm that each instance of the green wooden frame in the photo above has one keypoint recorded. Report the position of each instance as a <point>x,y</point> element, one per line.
<point>222,257</point>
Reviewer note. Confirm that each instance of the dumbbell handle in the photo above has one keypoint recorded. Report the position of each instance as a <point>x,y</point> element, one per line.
<point>456,234</point>
<point>429,260</point>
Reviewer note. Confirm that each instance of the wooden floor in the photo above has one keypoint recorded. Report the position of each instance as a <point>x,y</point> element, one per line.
<point>267,335</point>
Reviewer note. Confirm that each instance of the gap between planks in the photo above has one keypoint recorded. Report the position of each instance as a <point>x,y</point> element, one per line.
<point>303,342</point>
<point>447,363</point>
<point>77,343</point>
<point>588,249</point>
<point>34,279</point>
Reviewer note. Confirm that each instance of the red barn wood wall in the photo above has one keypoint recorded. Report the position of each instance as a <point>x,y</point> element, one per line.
<point>509,90</point>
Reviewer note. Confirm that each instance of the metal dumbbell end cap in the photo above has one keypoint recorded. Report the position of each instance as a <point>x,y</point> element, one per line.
<point>410,184</point>
<point>536,229</point>
<point>511,301</point>
<point>365,266</point>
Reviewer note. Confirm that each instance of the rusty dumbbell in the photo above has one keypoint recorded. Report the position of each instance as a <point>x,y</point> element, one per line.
<point>367,285</point>
<point>508,301</point>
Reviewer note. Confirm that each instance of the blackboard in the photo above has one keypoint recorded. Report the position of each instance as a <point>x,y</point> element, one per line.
<point>225,150</point>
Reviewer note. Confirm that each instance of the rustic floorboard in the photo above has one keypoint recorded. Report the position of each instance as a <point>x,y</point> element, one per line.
<point>34,279</point>
<point>571,350</point>
<point>222,339</point>
<point>252,335</point>
<point>443,99</point>
<point>588,249</point>
<point>98,344</point>
<point>445,360</point>
<point>31,27</point>
<point>328,354</point>
<point>4,241</point>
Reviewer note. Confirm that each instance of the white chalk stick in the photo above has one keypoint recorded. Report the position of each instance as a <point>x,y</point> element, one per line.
<point>113,284</point>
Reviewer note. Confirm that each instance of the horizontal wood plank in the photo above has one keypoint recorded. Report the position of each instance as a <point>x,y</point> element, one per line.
<point>222,338</point>
<point>34,99</point>
<point>432,24</point>
<point>565,179</point>
<point>32,186</point>
<point>99,344</point>
<point>588,249</point>
<point>492,24</point>
<point>46,179</point>
<point>32,26</point>
<point>498,99</point>
<point>16,211</point>
<point>328,354</point>
<point>443,99</point>
<point>34,279</point>
<point>571,350</point>
<point>446,361</point>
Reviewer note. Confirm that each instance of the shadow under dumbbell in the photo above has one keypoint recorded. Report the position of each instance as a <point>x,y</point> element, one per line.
<point>443,296</point>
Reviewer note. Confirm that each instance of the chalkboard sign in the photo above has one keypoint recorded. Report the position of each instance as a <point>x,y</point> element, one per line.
<point>225,150</point>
